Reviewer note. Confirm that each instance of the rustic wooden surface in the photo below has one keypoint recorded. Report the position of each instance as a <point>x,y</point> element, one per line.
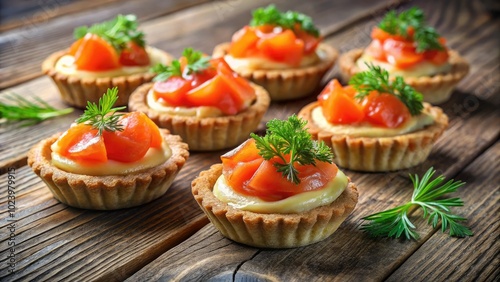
<point>171,239</point>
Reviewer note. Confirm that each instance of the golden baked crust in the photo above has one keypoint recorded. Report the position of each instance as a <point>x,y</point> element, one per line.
<point>288,84</point>
<point>271,230</point>
<point>77,91</point>
<point>436,89</point>
<point>208,133</point>
<point>379,153</point>
<point>108,192</point>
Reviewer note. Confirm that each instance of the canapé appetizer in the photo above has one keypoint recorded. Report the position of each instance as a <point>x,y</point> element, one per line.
<point>105,55</point>
<point>202,100</point>
<point>109,160</point>
<point>375,123</point>
<point>281,52</point>
<point>405,46</point>
<point>277,191</point>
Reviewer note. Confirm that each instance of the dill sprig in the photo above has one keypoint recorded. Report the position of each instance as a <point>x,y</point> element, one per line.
<point>271,15</point>
<point>30,112</point>
<point>425,37</point>
<point>289,141</point>
<point>196,62</point>
<point>426,195</point>
<point>103,116</point>
<point>117,31</point>
<point>377,79</point>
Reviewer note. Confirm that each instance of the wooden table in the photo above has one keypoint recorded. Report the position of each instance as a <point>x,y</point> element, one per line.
<point>170,238</point>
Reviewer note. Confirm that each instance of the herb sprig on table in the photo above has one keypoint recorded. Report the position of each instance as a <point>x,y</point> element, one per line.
<point>377,79</point>
<point>290,138</point>
<point>103,116</point>
<point>195,60</point>
<point>427,195</point>
<point>272,16</point>
<point>117,31</point>
<point>425,37</point>
<point>29,111</point>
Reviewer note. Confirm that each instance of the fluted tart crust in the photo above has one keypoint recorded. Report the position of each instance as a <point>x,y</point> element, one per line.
<point>76,91</point>
<point>108,192</point>
<point>379,153</point>
<point>436,89</point>
<point>271,230</point>
<point>207,133</point>
<point>288,84</point>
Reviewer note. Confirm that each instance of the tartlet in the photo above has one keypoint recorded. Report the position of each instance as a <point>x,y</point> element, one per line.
<point>406,46</point>
<point>271,230</point>
<point>108,192</point>
<point>206,133</point>
<point>374,123</point>
<point>108,160</point>
<point>377,154</point>
<point>283,83</point>
<point>288,84</point>
<point>278,212</point>
<point>78,86</point>
<point>436,89</point>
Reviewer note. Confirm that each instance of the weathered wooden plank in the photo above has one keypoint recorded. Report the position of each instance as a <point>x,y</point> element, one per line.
<point>43,225</point>
<point>15,14</point>
<point>222,255</point>
<point>203,27</point>
<point>350,254</point>
<point>56,242</point>
<point>60,243</point>
<point>18,62</point>
<point>16,141</point>
<point>474,258</point>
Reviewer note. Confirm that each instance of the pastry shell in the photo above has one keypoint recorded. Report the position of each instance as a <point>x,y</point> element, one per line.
<point>207,133</point>
<point>108,192</point>
<point>288,84</point>
<point>76,91</point>
<point>379,153</point>
<point>436,89</point>
<point>271,230</point>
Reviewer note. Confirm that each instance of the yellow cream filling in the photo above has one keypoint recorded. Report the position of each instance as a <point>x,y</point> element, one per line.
<point>259,63</point>
<point>295,204</point>
<point>65,65</point>
<point>421,69</point>
<point>153,157</point>
<point>200,112</point>
<point>366,129</point>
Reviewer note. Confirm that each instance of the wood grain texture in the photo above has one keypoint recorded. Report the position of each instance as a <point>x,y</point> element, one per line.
<point>154,242</point>
<point>16,14</point>
<point>16,141</point>
<point>350,254</point>
<point>202,26</point>
<point>56,242</point>
<point>219,259</point>
<point>19,63</point>
<point>474,258</point>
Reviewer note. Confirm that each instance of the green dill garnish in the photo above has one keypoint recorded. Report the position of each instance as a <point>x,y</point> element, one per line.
<point>30,112</point>
<point>117,31</point>
<point>289,138</point>
<point>377,79</point>
<point>103,116</point>
<point>424,36</point>
<point>426,195</point>
<point>271,15</point>
<point>196,62</point>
